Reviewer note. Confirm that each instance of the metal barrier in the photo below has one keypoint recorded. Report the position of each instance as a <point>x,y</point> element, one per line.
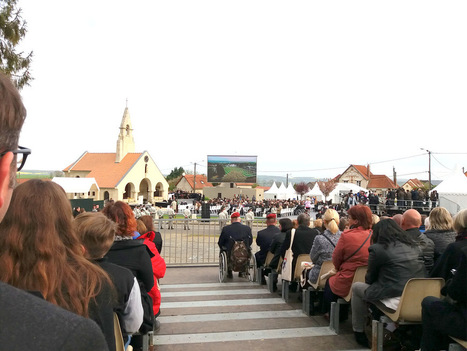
<point>196,246</point>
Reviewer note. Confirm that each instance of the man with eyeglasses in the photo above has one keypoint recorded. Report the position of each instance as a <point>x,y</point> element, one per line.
<point>29,322</point>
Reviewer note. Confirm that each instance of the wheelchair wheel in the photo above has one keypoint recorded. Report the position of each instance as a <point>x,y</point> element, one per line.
<point>252,268</point>
<point>222,266</point>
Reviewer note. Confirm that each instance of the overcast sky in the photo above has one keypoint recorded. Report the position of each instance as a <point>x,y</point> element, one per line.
<point>308,86</point>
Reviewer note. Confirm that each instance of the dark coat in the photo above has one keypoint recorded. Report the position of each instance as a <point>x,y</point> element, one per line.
<point>441,239</point>
<point>135,256</point>
<point>275,248</point>
<point>237,231</point>
<point>390,268</point>
<point>426,245</point>
<point>123,281</point>
<point>449,260</point>
<point>31,323</point>
<point>264,240</point>
<point>302,243</point>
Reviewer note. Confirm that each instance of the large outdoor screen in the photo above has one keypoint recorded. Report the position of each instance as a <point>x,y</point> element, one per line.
<point>231,169</point>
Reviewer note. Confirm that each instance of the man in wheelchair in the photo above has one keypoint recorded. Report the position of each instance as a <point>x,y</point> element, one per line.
<point>230,234</point>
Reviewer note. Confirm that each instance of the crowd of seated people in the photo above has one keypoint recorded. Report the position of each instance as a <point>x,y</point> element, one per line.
<point>394,250</point>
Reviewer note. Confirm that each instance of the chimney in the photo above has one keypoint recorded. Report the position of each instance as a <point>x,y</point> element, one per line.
<point>368,170</point>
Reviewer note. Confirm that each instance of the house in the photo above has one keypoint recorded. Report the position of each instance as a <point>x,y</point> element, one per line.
<point>361,176</point>
<point>124,175</point>
<point>412,184</point>
<point>191,184</point>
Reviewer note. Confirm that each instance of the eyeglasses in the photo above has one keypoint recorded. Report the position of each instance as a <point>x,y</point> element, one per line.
<point>21,156</point>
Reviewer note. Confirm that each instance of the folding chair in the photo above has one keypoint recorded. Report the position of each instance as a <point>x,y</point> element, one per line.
<point>359,276</point>
<point>409,310</point>
<point>296,276</point>
<point>308,301</point>
<point>263,269</point>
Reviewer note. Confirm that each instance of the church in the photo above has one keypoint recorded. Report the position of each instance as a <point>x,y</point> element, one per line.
<point>124,175</point>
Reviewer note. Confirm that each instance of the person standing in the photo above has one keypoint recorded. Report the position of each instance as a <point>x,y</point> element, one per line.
<point>187,215</point>
<point>222,218</point>
<point>249,217</point>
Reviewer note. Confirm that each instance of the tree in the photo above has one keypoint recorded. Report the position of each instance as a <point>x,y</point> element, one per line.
<point>175,173</point>
<point>301,188</point>
<point>327,187</point>
<point>12,30</point>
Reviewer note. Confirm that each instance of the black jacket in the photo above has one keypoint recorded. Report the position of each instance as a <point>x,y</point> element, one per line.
<point>302,243</point>
<point>449,260</point>
<point>135,256</point>
<point>264,240</point>
<point>275,248</point>
<point>390,268</point>
<point>237,231</point>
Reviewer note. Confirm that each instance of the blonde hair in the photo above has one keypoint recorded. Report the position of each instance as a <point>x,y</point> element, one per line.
<point>460,221</point>
<point>375,218</point>
<point>141,227</point>
<point>96,232</point>
<point>440,219</point>
<point>331,220</point>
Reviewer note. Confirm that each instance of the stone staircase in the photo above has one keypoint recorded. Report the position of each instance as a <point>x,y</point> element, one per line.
<point>202,314</point>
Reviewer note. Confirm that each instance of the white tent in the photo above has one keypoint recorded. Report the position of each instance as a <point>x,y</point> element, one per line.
<point>272,192</point>
<point>452,192</point>
<point>282,192</point>
<point>315,192</point>
<point>290,192</point>
<point>76,185</point>
<point>344,188</point>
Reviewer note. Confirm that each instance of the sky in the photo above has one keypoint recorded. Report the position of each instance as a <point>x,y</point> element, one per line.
<point>309,87</point>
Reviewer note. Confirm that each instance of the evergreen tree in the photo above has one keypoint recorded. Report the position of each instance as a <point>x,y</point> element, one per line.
<point>12,30</point>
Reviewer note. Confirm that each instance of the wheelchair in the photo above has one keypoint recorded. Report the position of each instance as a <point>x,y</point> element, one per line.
<point>225,265</point>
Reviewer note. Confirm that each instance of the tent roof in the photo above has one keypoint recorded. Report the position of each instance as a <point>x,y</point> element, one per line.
<point>455,183</point>
<point>315,191</point>
<point>75,185</point>
<point>273,189</point>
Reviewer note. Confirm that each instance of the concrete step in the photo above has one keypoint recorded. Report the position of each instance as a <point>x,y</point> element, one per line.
<point>205,315</point>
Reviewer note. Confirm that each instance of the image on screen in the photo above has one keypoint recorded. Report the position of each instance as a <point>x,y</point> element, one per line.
<point>232,169</point>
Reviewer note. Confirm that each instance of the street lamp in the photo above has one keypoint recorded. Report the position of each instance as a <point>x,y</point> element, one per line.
<point>429,166</point>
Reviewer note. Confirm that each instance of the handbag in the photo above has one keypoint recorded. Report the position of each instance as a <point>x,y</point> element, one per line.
<point>286,271</point>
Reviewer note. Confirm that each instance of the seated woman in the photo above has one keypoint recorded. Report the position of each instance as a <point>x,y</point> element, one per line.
<point>394,258</point>
<point>350,253</point>
<point>40,252</point>
<point>453,253</point>
<point>440,230</point>
<point>323,245</point>
<point>444,318</point>
<point>285,224</point>
<point>149,223</point>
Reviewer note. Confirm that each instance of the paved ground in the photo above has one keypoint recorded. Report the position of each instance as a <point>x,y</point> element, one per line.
<point>199,313</point>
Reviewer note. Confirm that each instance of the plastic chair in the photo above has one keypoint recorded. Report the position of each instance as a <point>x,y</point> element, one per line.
<point>263,269</point>
<point>296,276</point>
<point>359,276</point>
<point>409,310</point>
<point>459,345</point>
<point>119,344</point>
<point>308,302</point>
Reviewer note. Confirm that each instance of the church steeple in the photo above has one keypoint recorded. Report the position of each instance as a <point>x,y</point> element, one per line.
<point>125,141</point>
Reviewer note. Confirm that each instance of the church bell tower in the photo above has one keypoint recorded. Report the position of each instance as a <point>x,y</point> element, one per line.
<point>125,141</point>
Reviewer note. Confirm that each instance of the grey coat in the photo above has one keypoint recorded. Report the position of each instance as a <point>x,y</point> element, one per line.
<point>441,239</point>
<point>321,251</point>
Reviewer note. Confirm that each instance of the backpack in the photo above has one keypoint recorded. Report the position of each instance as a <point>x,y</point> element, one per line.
<point>239,256</point>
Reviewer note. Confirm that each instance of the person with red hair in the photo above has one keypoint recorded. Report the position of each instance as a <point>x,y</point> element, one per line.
<point>350,253</point>
<point>134,255</point>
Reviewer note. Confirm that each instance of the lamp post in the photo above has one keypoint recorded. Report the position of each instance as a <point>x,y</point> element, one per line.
<point>429,166</point>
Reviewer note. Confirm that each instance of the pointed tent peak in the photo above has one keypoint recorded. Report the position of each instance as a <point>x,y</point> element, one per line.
<point>282,187</point>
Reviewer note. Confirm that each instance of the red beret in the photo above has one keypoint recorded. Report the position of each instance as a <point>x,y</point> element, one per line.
<point>235,215</point>
<point>271,215</point>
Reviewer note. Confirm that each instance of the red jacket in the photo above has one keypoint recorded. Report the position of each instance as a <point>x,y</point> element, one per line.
<point>158,268</point>
<point>348,243</point>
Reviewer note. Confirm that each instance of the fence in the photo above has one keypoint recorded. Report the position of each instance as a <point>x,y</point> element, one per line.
<point>196,246</point>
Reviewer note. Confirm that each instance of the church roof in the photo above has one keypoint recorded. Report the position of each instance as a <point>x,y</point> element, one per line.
<point>103,168</point>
